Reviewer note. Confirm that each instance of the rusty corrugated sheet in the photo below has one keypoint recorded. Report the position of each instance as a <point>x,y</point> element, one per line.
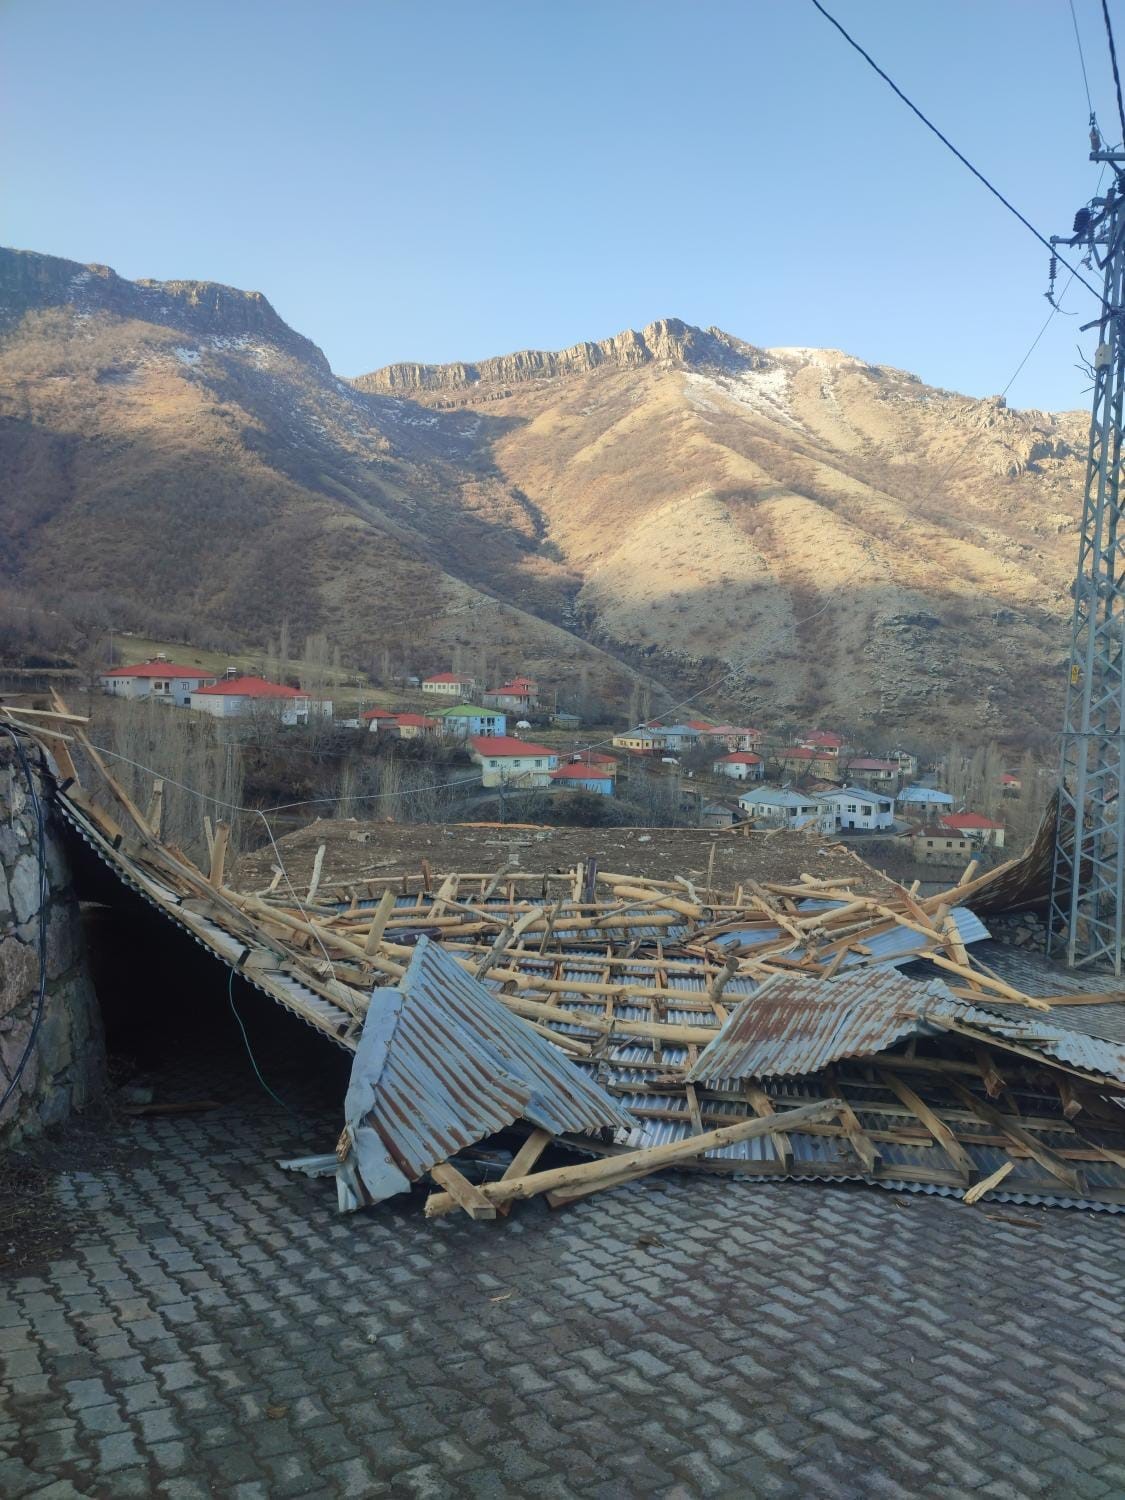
<point>798,1025</point>
<point>442,1064</point>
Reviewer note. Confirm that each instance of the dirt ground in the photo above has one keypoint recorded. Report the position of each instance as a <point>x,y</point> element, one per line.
<point>357,851</point>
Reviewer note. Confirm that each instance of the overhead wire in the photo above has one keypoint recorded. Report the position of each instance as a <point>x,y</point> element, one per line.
<point>1081,59</point>
<point>961,157</point>
<point>1113,60</point>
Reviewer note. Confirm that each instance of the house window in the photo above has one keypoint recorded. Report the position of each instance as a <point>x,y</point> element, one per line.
<point>494,764</point>
<point>538,765</point>
<point>852,807</point>
<point>949,843</point>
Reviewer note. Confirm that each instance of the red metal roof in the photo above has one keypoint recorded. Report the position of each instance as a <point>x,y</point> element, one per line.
<point>799,752</point>
<point>251,687</point>
<point>448,677</point>
<point>594,758</point>
<point>825,737</point>
<point>968,820</point>
<point>740,758</point>
<point>575,772</point>
<point>507,744</point>
<point>865,763</point>
<point>415,721</point>
<point>379,713</point>
<point>159,669</point>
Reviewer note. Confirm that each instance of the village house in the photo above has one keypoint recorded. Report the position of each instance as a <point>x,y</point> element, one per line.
<point>824,741</point>
<point>678,738</point>
<point>379,719</point>
<point>739,765</point>
<point>874,772</point>
<point>505,760</point>
<point>463,720</point>
<point>1010,784</point>
<point>732,736</point>
<point>415,726</point>
<point>800,760</point>
<point>924,800</point>
<point>789,809</point>
<point>906,762</point>
<point>160,679</point>
<point>856,808</point>
<point>941,846</point>
<point>565,721</point>
<point>449,685</point>
<point>518,695</point>
<point>234,696</point>
<point>983,832</point>
<point>576,777</point>
<point>719,814</point>
<point>640,741</point>
<point>594,758</point>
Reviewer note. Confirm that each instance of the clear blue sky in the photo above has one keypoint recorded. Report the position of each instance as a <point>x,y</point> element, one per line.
<point>443,179</point>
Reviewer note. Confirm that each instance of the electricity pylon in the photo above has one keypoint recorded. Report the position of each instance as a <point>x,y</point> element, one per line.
<point>1085,920</point>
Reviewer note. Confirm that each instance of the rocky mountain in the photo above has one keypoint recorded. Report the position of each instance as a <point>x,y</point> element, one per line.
<point>820,536</point>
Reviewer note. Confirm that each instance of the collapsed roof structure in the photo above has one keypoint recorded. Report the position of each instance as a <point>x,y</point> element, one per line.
<point>823,1028</point>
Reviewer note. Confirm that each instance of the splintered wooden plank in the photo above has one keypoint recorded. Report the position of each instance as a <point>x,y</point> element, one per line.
<point>936,1126</point>
<point>1012,1128</point>
<point>986,1184</point>
<point>760,1104</point>
<point>463,1192</point>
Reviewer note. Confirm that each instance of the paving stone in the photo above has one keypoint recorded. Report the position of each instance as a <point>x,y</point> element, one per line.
<point>220,1331</point>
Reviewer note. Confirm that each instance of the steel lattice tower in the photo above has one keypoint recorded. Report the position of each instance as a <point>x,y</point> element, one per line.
<point>1085,920</point>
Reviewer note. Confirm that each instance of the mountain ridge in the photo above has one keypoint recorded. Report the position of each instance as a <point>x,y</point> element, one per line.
<point>830,537</point>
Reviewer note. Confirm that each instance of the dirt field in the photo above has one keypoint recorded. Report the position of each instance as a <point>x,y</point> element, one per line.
<point>357,851</point>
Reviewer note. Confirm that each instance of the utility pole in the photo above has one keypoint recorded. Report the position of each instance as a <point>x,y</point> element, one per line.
<point>1088,868</point>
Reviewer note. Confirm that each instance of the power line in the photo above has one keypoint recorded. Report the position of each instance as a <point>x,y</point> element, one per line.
<point>1113,60</point>
<point>1081,59</point>
<point>961,157</point>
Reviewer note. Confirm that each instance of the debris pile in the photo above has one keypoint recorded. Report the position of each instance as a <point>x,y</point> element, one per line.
<point>826,1028</point>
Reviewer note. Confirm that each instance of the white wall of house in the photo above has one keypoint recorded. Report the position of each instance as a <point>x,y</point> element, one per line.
<point>738,770</point>
<point>854,810</point>
<point>231,705</point>
<point>528,770</point>
<point>450,689</point>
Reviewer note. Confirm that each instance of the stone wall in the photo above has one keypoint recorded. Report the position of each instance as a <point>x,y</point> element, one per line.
<point>66,1065</point>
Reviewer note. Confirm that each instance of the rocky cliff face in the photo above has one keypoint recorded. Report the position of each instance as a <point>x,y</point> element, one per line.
<point>666,341</point>
<point>31,282</point>
<point>65,1063</point>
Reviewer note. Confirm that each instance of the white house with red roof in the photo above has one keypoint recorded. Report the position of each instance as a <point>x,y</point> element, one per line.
<point>414,726</point>
<point>975,826</point>
<point>733,736</point>
<point>504,760</point>
<point>245,695</point>
<point>449,685</point>
<point>518,694</point>
<point>167,681</point>
<point>739,765</point>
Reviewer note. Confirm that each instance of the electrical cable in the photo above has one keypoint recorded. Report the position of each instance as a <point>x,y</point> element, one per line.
<point>1113,60</point>
<point>1081,59</point>
<point>250,1053</point>
<point>44,896</point>
<point>929,124</point>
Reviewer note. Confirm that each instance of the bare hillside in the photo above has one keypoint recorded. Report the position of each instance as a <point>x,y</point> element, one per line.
<point>866,547</point>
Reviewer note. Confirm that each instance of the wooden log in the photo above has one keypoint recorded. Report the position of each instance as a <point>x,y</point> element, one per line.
<point>314,879</point>
<point>378,925</point>
<point>639,1163</point>
<point>523,1161</point>
<point>995,986</point>
<point>464,1193</point>
<point>986,1184</point>
<point>219,854</point>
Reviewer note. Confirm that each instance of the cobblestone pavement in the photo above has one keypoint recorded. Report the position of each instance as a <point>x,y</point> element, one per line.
<point>218,1330</point>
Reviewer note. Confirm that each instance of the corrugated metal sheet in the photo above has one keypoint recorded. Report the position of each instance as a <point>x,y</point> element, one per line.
<point>797,1025</point>
<point>441,1064</point>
